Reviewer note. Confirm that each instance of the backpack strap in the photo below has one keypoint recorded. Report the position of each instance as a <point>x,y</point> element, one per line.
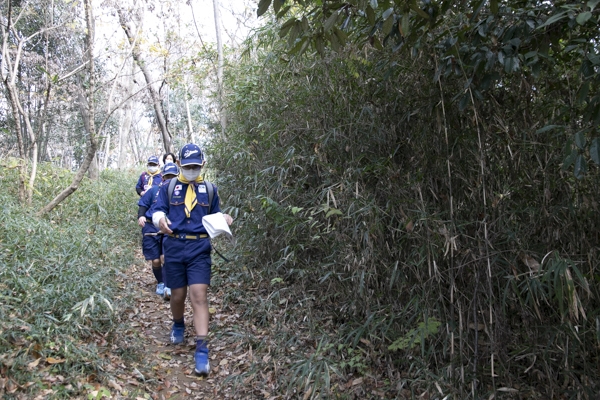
<point>209,188</point>
<point>211,194</point>
<point>172,183</point>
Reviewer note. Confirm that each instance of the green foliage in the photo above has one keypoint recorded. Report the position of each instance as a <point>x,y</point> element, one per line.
<point>486,43</point>
<point>391,186</point>
<point>57,281</point>
<point>416,336</point>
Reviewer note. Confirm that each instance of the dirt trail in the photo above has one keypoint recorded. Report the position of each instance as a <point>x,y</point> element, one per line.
<point>166,371</point>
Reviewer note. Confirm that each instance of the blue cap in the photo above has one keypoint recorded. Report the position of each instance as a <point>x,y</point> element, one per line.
<point>153,160</point>
<point>170,169</point>
<point>191,154</point>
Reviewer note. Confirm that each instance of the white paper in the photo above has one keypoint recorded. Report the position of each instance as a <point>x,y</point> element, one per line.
<point>215,225</point>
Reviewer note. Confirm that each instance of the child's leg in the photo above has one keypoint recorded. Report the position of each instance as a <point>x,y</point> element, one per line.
<point>163,269</point>
<point>177,302</point>
<point>157,270</point>
<point>199,299</point>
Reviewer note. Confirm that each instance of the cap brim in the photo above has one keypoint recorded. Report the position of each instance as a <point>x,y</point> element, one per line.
<point>191,162</point>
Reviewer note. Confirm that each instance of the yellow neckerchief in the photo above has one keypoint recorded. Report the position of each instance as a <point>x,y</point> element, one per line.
<point>152,175</point>
<point>190,194</point>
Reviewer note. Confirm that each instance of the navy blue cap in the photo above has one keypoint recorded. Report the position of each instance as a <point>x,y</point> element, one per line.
<point>153,160</point>
<point>191,154</point>
<point>170,169</point>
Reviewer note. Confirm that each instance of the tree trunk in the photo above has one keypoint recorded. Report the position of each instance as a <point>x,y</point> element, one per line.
<point>156,103</point>
<point>189,118</point>
<point>93,172</point>
<point>87,113</point>
<point>222,113</point>
<point>18,129</point>
<point>106,153</point>
<point>125,121</point>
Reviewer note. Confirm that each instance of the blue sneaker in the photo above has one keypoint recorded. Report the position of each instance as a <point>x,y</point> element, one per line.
<point>160,289</point>
<point>202,364</point>
<point>177,334</point>
<point>167,294</point>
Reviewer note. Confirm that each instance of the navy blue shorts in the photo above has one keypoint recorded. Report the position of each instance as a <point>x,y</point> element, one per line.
<point>187,261</point>
<point>151,245</point>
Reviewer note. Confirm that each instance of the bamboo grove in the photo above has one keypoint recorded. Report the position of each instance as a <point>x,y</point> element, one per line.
<point>435,194</point>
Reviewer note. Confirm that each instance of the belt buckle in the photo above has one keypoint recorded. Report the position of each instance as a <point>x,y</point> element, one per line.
<point>181,235</point>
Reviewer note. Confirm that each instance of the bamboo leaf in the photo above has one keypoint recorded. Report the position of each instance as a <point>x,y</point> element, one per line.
<point>595,151</point>
<point>405,25</point>
<point>388,25</point>
<point>547,128</point>
<point>84,306</point>
<point>108,304</point>
<point>319,45</point>
<point>584,17</point>
<point>387,13</point>
<point>580,139</point>
<point>333,211</point>
<point>420,12</point>
<point>553,19</point>
<point>580,167</point>
<point>285,28</point>
<point>330,21</point>
<point>341,35</point>
<point>263,6</point>
<point>570,159</point>
<point>370,15</point>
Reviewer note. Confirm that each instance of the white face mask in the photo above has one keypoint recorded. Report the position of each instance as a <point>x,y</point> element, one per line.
<point>190,174</point>
<point>152,169</point>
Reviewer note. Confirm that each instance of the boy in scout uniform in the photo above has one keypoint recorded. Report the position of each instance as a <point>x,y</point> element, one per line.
<point>150,177</point>
<point>187,247</point>
<point>151,241</point>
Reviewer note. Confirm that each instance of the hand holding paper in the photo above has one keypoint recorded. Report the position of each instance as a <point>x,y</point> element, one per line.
<point>215,224</point>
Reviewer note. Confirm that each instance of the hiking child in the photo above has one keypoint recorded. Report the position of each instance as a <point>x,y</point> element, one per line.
<point>152,244</point>
<point>150,177</point>
<point>187,247</point>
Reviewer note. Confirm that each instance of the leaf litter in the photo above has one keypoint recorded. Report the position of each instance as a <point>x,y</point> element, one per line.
<point>247,360</point>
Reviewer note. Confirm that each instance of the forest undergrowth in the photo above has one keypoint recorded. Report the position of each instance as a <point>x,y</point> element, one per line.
<point>435,224</point>
<point>57,284</point>
<point>80,319</point>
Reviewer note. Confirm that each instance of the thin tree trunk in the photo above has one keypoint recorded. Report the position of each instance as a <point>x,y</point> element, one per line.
<point>18,129</point>
<point>190,126</point>
<point>125,122</point>
<point>124,134</point>
<point>106,153</point>
<point>222,113</point>
<point>87,113</point>
<point>13,99</point>
<point>158,108</point>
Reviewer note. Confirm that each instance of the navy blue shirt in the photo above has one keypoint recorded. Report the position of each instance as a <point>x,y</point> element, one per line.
<point>142,183</point>
<point>175,208</point>
<point>147,201</point>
